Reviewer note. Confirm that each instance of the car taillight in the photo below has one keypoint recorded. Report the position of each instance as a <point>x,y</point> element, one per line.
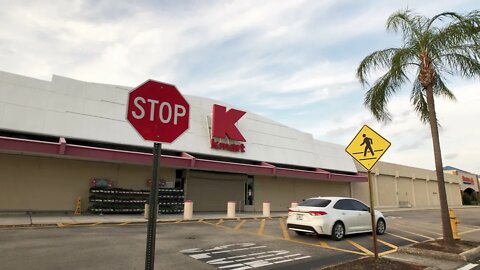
<point>291,211</point>
<point>317,213</point>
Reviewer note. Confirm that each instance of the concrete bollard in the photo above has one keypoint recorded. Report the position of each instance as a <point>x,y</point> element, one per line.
<point>188,210</point>
<point>231,209</point>
<point>266,209</point>
<point>294,204</point>
<point>146,211</point>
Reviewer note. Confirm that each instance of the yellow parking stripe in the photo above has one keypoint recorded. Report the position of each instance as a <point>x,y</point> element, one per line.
<point>323,244</point>
<point>262,227</point>
<point>219,222</point>
<point>387,252</point>
<point>362,248</point>
<point>60,225</point>
<point>386,243</point>
<point>240,224</point>
<point>401,237</point>
<point>293,241</point>
<point>286,236</point>
<point>325,247</point>
<point>125,223</point>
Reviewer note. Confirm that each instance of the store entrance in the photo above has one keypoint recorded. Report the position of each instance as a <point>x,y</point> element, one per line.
<point>211,191</point>
<point>249,196</point>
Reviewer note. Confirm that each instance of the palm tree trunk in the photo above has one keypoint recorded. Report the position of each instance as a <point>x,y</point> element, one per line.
<point>447,229</point>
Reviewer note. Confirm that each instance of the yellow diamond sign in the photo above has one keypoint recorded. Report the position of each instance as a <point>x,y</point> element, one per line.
<point>367,147</point>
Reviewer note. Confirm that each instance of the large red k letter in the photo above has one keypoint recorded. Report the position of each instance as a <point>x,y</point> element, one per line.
<point>223,123</point>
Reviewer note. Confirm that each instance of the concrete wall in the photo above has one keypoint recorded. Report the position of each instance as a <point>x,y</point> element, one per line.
<point>75,109</point>
<point>395,185</point>
<point>53,184</point>
<point>281,192</point>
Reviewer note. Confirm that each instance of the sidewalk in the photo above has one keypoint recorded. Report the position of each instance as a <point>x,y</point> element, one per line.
<point>44,219</point>
<point>24,219</point>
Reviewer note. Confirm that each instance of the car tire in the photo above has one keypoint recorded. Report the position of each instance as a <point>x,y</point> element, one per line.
<point>338,231</point>
<point>381,226</point>
<point>300,233</point>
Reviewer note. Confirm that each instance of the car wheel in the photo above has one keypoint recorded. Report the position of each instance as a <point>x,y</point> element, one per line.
<point>338,231</point>
<point>381,226</point>
<point>300,233</point>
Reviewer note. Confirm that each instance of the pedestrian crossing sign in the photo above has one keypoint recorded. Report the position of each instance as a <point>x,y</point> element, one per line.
<point>367,147</point>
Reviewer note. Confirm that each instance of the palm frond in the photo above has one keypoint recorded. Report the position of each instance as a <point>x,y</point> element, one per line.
<point>419,101</point>
<point>463,65</point>
<point>375,61</point>
<point>401,58</point>
<point>440,89</point>
<point>377,97</point>
<point>407,22</point>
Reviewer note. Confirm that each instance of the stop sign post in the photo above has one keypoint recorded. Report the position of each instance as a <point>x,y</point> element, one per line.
<point>160,114</point>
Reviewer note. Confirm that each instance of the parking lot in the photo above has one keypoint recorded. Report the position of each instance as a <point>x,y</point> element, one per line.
<point>215,243</point>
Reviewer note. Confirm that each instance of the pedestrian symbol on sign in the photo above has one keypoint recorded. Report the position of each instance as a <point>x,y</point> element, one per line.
<point>363,149</point>
<point>368,145</point>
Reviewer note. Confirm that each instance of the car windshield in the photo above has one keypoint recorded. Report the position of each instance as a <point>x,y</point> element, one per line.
<point>315,202</point>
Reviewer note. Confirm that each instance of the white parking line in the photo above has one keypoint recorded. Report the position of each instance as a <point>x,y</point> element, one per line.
<point>468,266</point>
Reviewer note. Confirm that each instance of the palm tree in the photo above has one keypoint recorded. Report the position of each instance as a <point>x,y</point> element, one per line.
<point>446,44</point>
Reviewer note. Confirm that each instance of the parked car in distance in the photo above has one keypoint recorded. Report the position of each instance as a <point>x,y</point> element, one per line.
<point>334,216</point>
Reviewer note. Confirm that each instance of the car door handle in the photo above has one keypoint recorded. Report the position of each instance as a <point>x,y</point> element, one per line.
<point>343,213</point>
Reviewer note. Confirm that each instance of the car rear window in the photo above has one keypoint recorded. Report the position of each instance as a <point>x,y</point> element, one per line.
<point>315,202</point>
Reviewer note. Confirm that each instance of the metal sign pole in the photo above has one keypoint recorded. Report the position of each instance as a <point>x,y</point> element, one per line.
<point>372,214</point>
<point>153,209</point>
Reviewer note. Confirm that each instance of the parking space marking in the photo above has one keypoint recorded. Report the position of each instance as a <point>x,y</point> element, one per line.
<point>323,244</point>
<point>60,225</point>
<point>262,227</point>
<point>401,237</point>
<point>218,256</point>
<point>360,247</point>
<point>387,252</point>
<point>286,236</point>
<point>427,237</point>
<point>239,225</point>
<point>124,223</point>
<point>468,266</point>
<point>423,227</point>
<point>219,222</point>
<point>386,243</point>
<point>325,247</point>
<point>465,232</point>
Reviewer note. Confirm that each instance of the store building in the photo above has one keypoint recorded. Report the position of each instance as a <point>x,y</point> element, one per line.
<point>401,186</point>
<point>468,181</point>
<point>57,136</point>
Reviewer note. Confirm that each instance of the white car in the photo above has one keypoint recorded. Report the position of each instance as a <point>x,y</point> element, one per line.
<point>334,216</point>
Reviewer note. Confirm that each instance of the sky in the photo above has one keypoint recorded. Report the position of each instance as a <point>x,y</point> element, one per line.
<point>292,61</point>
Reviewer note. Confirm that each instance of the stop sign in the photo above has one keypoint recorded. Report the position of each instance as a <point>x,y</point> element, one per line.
<point>158,111</point>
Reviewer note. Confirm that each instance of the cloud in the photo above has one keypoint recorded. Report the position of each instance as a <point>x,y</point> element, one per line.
<point>293,61</point>
<point>451,156</point>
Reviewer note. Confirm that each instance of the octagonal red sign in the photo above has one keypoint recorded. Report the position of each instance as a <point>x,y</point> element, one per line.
<point>158,111</point>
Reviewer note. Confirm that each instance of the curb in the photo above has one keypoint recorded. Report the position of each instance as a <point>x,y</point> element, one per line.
<point>471,255</point>
<point>431,253</point>
<point>159,221</point>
